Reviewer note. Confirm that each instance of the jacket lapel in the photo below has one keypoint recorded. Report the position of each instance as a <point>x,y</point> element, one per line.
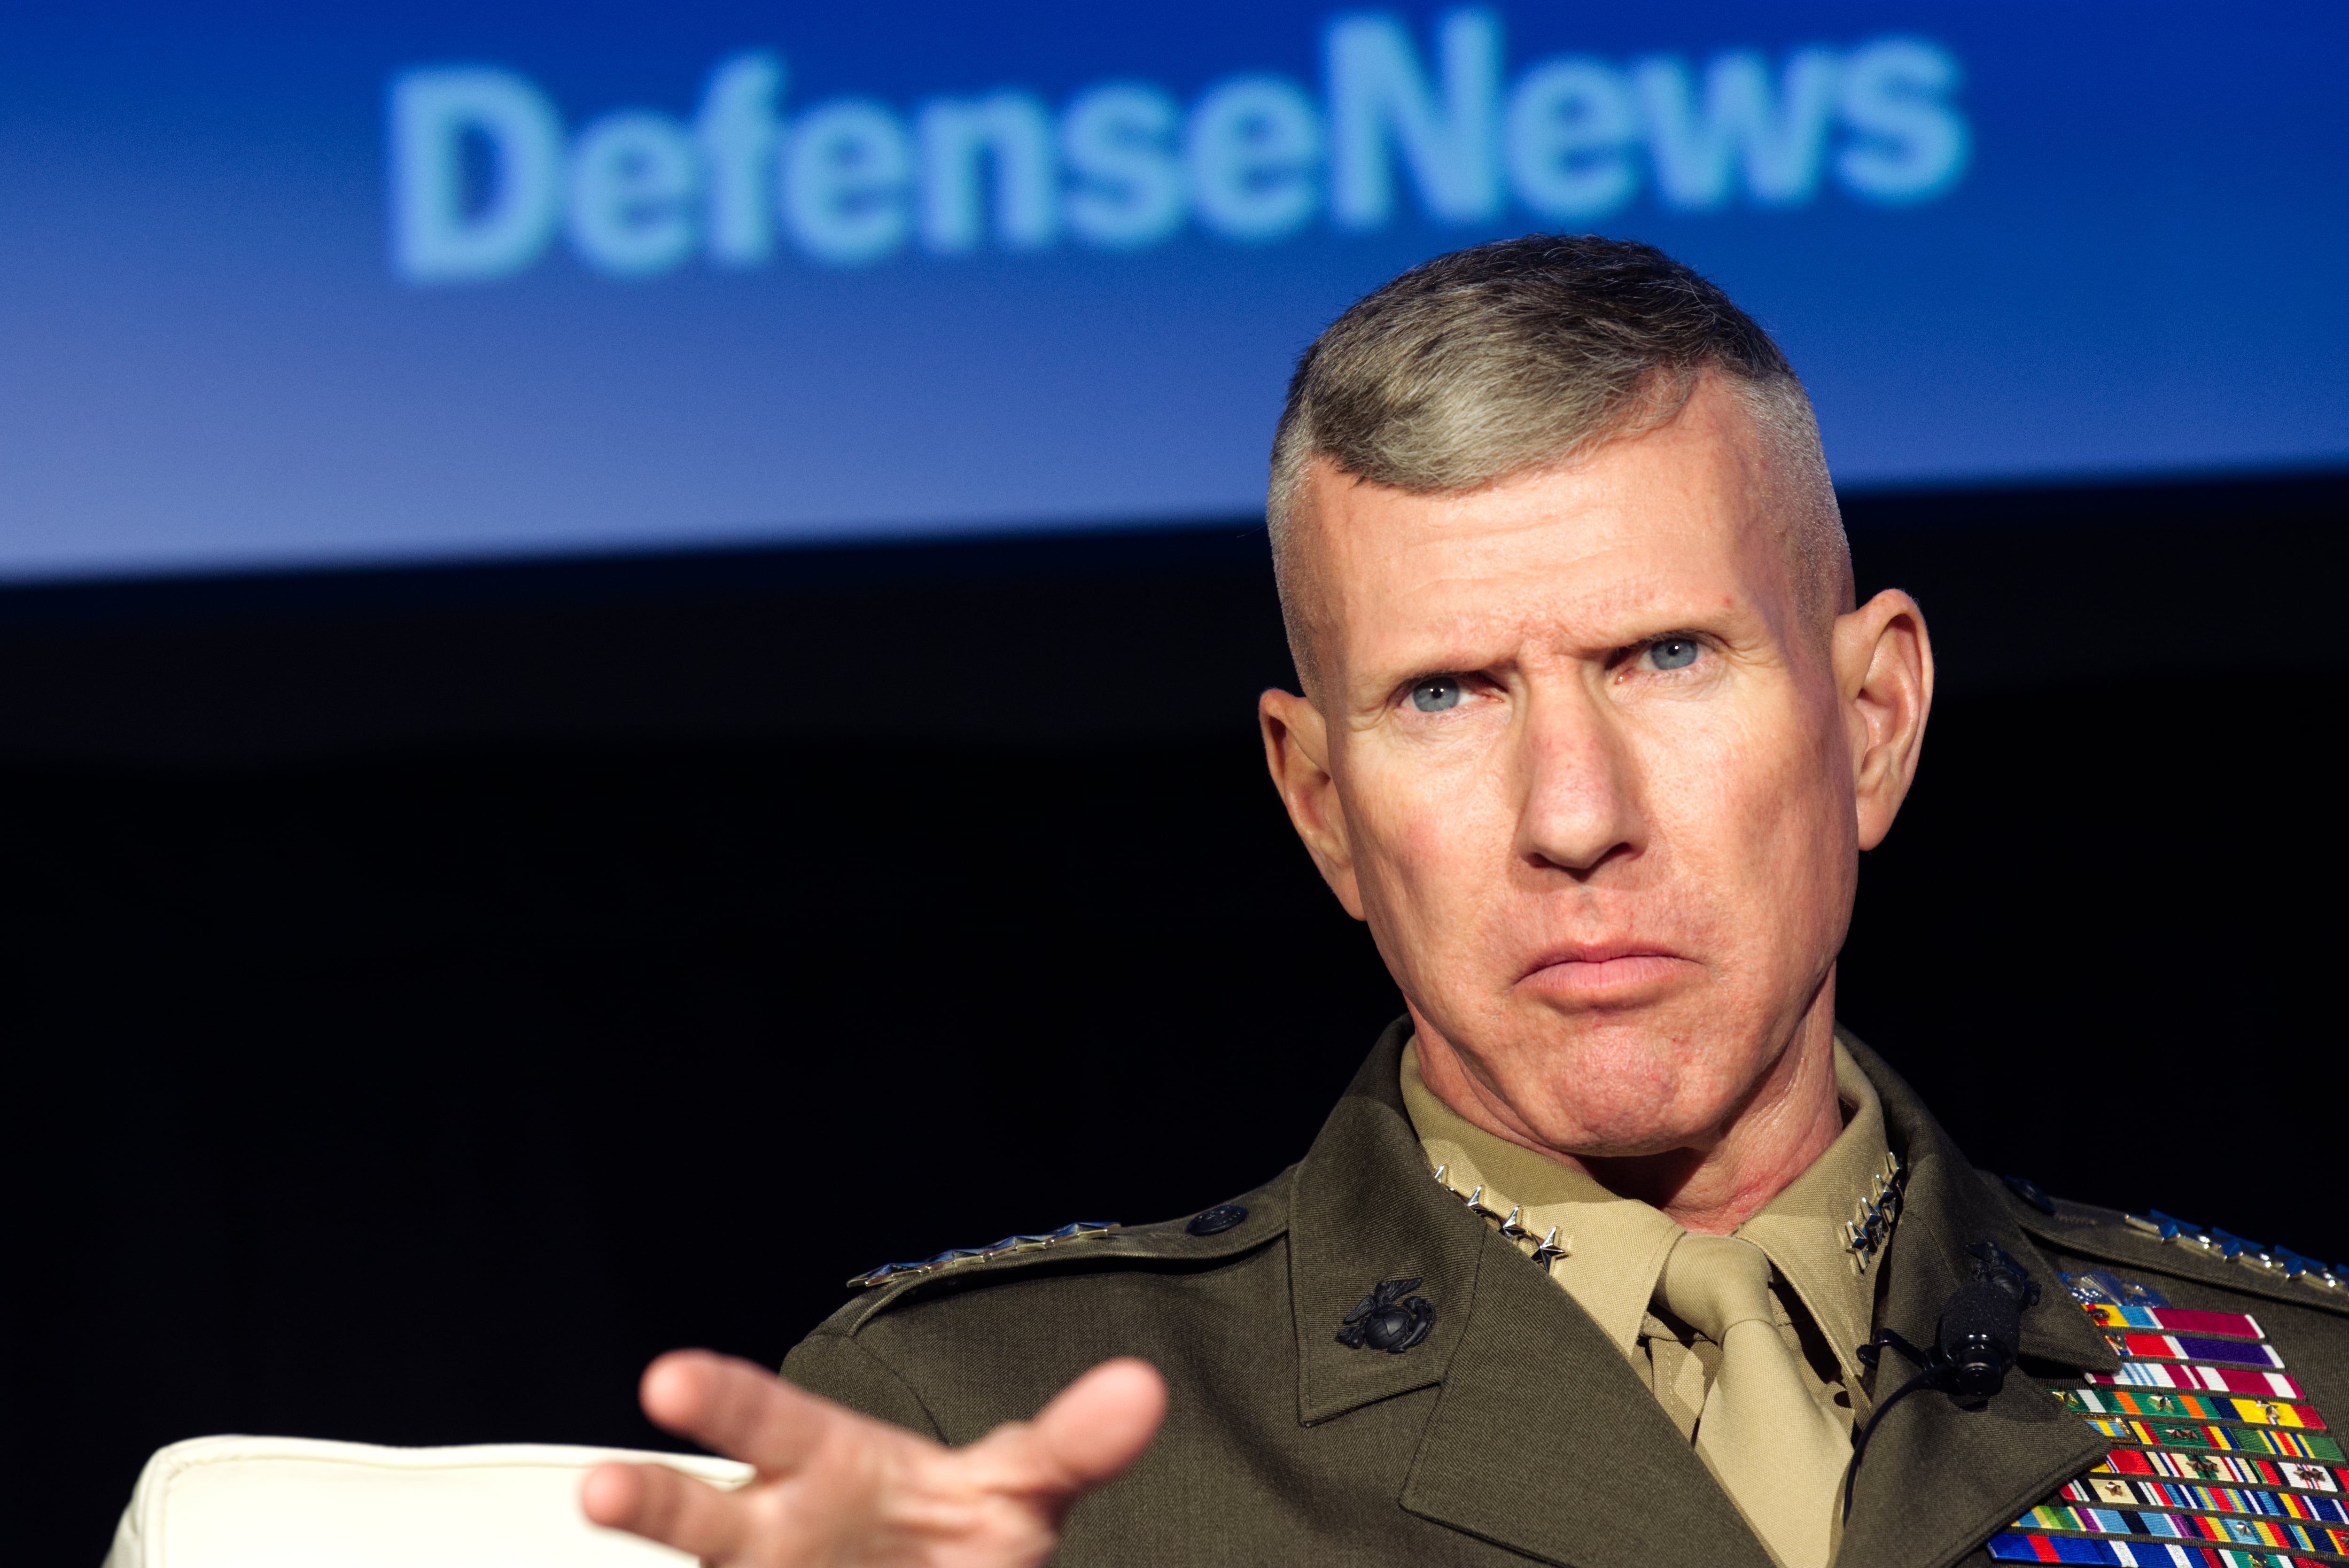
<point>1543,1440</point>
<point>1936,1480</point>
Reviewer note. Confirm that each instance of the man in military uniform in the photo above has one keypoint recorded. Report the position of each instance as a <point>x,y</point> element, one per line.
<point>1617,1251</point>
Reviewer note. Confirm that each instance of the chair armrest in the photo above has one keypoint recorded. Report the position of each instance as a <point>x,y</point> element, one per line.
<point>301,1502</point>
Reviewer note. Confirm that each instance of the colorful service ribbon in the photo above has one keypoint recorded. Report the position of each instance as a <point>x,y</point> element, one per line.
<point>2283,1534</point>
<point>2174,1320</point>
<point>2221,1380</point>
<point>2023,1547</point>
<point>2283,1445</point>
<point>2220,1467</point>
<point>2189,1407</point>
<point>2187,1348</point>
<point>2114,1493</point>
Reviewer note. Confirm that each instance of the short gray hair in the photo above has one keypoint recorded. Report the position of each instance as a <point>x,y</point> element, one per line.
<point>1526,353</point>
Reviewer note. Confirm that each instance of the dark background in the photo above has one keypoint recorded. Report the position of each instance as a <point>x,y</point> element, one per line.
<point>429,995</point>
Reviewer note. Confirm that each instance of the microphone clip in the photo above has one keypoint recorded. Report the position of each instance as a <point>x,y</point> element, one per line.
<point>1975,1341</point>
<point>1975,1344</point>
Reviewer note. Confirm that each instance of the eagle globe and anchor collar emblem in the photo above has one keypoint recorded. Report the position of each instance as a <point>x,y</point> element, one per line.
<point>1390,1318</point>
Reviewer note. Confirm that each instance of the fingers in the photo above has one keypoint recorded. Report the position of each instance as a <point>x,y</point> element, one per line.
<point>664,1505</point>
<point>1098,1426</point>
<point>1089,1434</point>
<point>732,1407</point>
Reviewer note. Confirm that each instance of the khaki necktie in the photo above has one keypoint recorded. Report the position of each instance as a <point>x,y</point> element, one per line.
<point>1778,1454</point>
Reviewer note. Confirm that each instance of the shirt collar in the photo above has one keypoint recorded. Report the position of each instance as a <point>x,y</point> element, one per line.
<point>1801,1229</point>
<point>1616,1246</point>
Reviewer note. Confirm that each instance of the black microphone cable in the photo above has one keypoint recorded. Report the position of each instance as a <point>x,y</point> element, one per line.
<point>1975,1344</point>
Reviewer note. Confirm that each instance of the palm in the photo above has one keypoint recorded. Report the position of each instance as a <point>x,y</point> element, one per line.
<point>835,1488</point>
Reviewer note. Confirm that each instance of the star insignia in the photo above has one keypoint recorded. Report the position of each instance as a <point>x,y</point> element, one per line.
<point>1549,1250</point>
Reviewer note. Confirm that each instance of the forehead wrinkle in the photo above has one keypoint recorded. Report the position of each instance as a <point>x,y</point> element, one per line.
<point>1542,608</point>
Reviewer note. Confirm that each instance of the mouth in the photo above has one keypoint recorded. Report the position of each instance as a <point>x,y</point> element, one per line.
<point>1605,972</point>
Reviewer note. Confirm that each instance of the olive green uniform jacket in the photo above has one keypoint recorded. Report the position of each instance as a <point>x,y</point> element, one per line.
<point>1515,1429</point>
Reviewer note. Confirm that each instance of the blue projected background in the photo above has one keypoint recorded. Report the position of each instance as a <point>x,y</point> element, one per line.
<point>291,285</point>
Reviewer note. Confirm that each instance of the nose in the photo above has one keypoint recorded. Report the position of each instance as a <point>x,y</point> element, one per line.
<point>1579,807</point>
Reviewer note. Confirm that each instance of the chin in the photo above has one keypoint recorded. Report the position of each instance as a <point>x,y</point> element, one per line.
<point>1596,1123</point>
<point>1632,1126</point>
<point>1639,1079</point>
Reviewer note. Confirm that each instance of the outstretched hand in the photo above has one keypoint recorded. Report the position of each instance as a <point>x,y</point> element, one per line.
<point>836,1488</point>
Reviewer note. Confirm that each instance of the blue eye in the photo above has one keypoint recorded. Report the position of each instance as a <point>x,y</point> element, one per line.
<point>1435,693</point>
<point>1673,653</point>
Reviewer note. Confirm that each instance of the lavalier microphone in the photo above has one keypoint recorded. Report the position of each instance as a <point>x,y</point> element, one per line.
<point>1975,1342</point>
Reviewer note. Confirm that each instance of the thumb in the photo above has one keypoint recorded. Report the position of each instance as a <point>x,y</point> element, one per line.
<point>1088,1435</point>
<point>1100,1424</point>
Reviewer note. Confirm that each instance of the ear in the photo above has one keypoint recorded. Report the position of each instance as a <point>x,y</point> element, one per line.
<point>1297,750</point>
<point>1884,681</point>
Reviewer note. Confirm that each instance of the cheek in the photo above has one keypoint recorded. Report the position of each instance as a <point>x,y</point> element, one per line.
<point>1425,842</point>
<point>1756,819</point>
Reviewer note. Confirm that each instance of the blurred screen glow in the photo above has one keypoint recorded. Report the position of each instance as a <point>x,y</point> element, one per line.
<point>306,286</point>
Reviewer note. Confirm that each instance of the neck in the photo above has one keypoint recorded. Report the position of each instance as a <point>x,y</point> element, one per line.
<point>1712,1182</point>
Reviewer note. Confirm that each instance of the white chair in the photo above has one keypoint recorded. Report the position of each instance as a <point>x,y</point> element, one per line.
<point>297,1502</point>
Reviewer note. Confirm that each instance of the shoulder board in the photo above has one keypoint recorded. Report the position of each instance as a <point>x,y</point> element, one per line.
<point>1224,1231</point>
<point>2166,1244</point>
<point>1077,1231</point>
